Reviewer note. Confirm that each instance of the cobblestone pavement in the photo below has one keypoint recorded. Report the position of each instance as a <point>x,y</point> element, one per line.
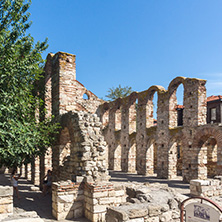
<point>35,201</point>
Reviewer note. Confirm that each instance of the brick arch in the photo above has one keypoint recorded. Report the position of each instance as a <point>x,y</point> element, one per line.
<point>149,160</point>
<point>175,83</point>
<point>149,93</point>
<point>204,168</point>
<point>104,114</point>
<point>66,121</point>
<point>172,99</point>
<point>132,155</point>
<point>206,132</point>
<point>175,159</point>
<point>145,104</point>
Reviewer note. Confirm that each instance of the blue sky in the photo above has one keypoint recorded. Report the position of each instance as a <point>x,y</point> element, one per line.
<point>135,43</point>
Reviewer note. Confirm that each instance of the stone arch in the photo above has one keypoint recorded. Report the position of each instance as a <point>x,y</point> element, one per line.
<point>105,115</point>
<point>117,157</point>
<point>172,89</point>
<point>132,156</point>
<point>86,95</point>
<point>207,143</point>
<point>175,155</point>
<point>150,156</point>
<point>132,107</point>
<point>118,115</point>
<point>145,103</point>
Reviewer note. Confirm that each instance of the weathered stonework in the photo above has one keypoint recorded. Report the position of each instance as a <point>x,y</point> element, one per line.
<point>153,203</point>
<point>206,188</point>
<point>80,149</point>
<point>121,135</point>
<point>6,201</point>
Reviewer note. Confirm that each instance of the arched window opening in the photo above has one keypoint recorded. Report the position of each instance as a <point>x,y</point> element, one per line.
<point>151,110</point>
<point>85,96</point>
<point>207,157</point>
<point>132,117</point>
<point>176,105</point>
<point>118,119</point>
<point>155,97</point>
<point>105,118</point>
<point>64,154</point>
<point>117,158</point>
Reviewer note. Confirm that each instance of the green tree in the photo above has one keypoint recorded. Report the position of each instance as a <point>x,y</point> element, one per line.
<point>118,92</point>
<point>22,137</point>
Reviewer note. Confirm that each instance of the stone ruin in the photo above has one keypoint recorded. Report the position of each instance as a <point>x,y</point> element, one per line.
<point>121,135</point>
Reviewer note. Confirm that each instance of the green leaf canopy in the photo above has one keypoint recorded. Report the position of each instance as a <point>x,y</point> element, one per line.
<point>22,137</point>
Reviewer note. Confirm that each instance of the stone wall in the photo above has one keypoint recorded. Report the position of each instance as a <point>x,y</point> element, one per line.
<point>206,188</point>
<point>6,201</point>
<point>80,149</point>
<point>67,200</point>
<point>99,196</point>
<point>73,200</point>
<point>166,148</point>
<point>148,202</point>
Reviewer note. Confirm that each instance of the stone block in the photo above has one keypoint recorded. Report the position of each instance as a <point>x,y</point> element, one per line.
<point>76,205</point>
<point>99,208</point>
<point>153,219</point>
<point>154,210</point>
<point>107,200</point>
<point>136,213</point>
<point>65,198</point>
<point>100,194</point>
<point>6,200</point>
<point>119,193</point>
<point>119,214</point>
<point>166,216</point>
<point>6,191</point>
<point>3,209</point>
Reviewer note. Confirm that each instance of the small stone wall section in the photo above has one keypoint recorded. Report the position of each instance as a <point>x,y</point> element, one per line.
<point>206,188</point>
<point>6,201</point>
<point>73,200</point>
<point>67,200</point>
<point>100,196</point>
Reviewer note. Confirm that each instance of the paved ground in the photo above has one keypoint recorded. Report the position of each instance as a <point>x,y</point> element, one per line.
<point>35,201</point>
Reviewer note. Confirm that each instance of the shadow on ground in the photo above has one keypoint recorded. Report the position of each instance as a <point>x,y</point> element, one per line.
<point>35,201</point>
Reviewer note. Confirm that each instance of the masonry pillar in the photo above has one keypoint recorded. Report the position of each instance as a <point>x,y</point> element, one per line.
<point>124,135</point>
<point>162,135</point>
<point>194,115</point>
<point>63,81</point>
<point>141,136</point>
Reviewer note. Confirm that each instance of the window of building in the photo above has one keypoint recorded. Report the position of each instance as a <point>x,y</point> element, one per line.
<point>213,113</point>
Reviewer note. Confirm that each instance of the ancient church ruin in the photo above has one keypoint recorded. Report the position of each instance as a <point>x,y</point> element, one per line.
<point>120,135</point>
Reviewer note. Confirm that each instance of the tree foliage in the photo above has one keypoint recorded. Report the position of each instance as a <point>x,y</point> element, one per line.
<point>22,137</point>
<point>118,92</point>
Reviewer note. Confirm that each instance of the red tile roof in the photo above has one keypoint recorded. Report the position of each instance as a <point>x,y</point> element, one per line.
<point>212,98</point>
<point>179,107</point>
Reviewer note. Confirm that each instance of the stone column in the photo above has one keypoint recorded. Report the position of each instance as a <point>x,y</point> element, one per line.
<point>163,135</point>
<point>141,136</point>
<point>194,115</point>
<point>125,136</point>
